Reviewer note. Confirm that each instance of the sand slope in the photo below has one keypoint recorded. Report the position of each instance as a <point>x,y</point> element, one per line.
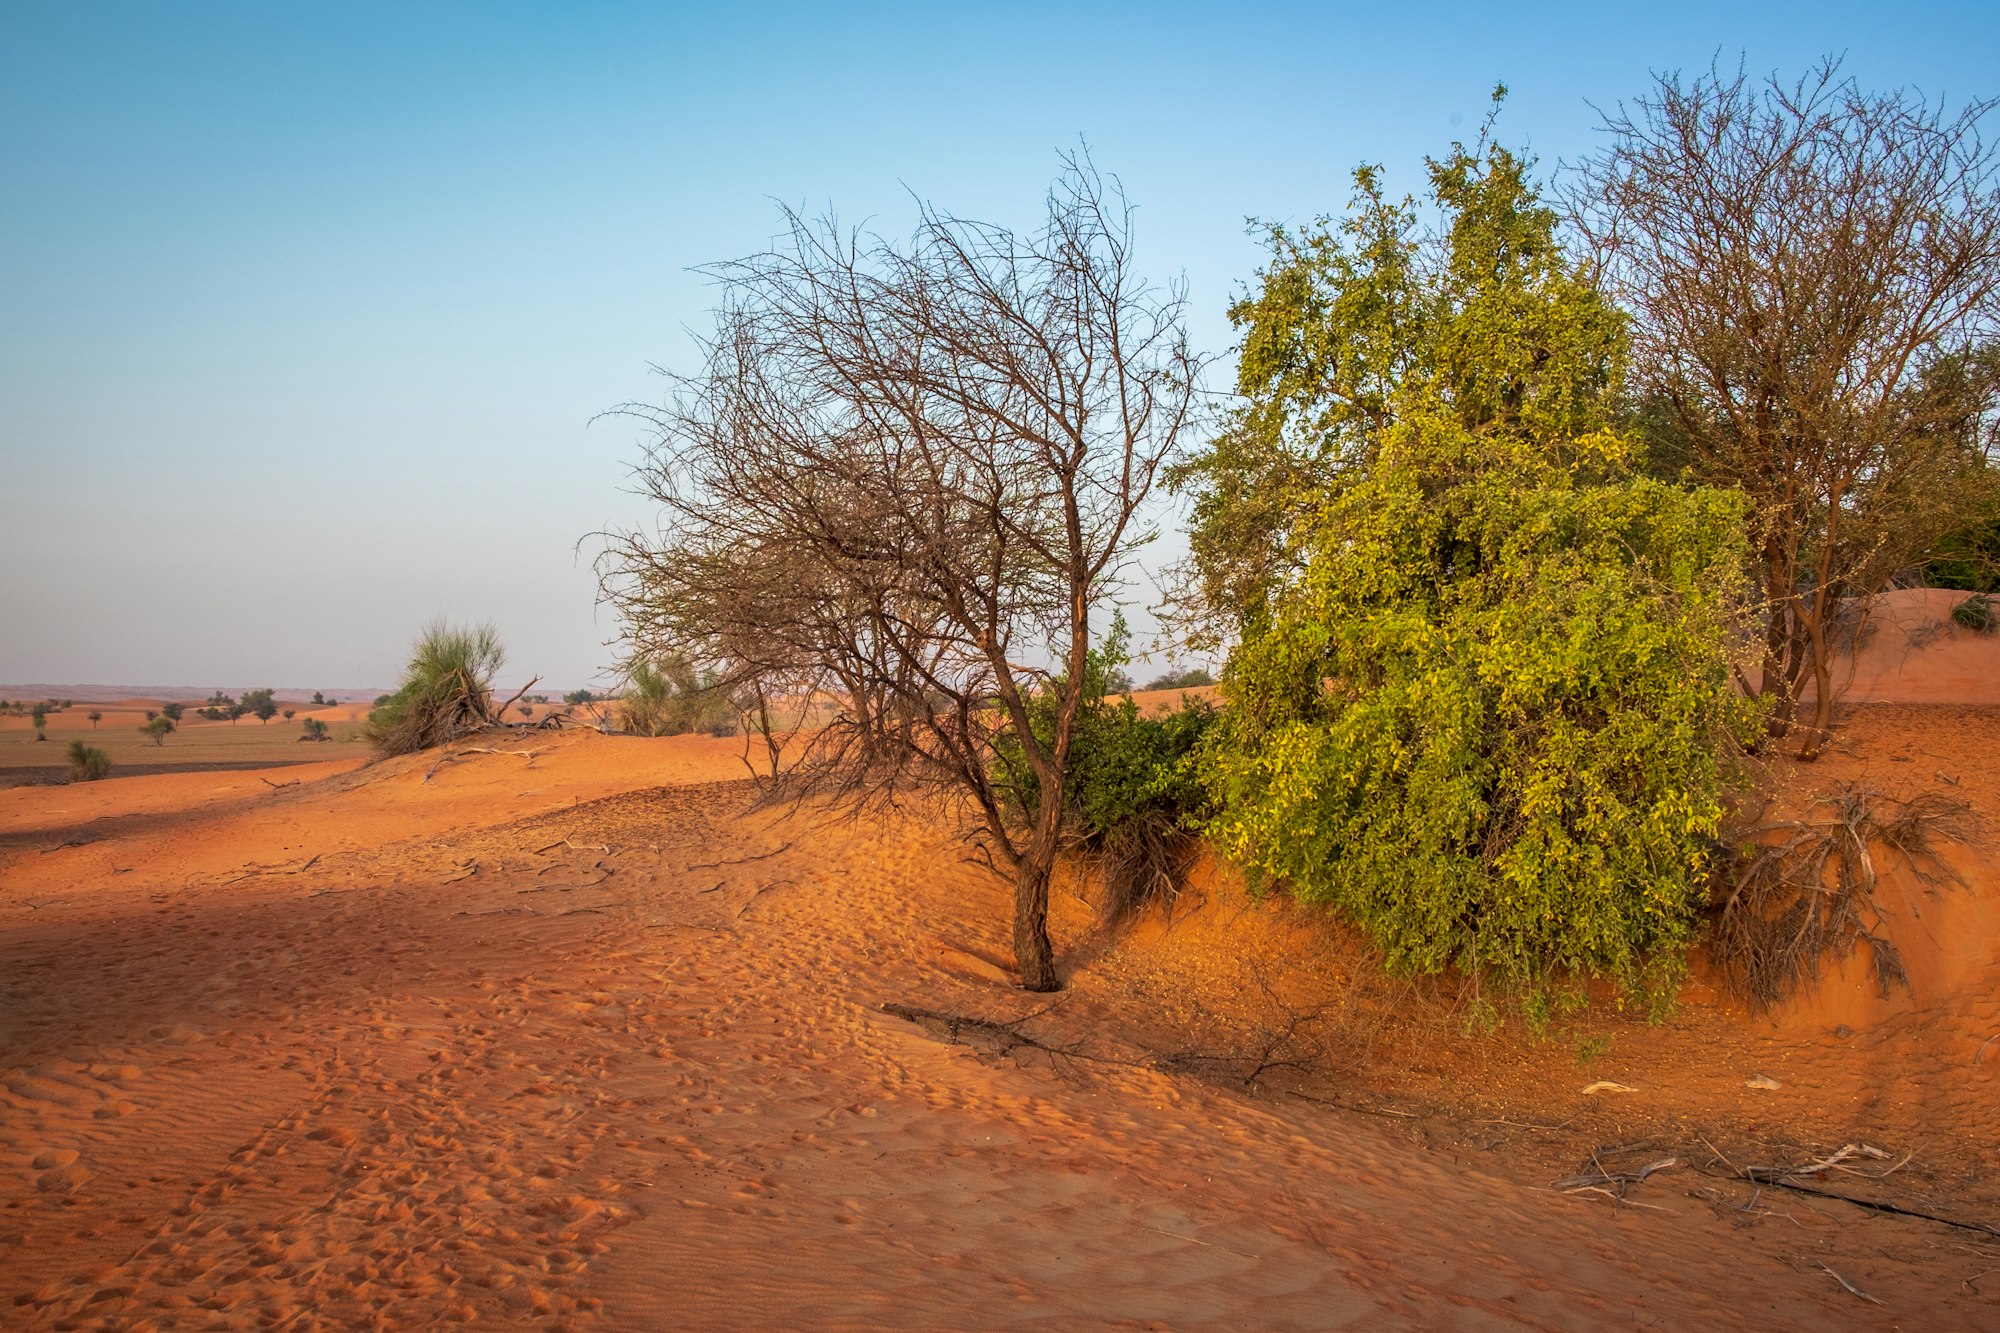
<point>577,1039</point>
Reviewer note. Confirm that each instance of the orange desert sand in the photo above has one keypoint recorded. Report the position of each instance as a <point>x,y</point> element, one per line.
<point>579,1037</point>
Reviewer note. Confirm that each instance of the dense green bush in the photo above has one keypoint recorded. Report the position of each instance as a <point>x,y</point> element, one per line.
<point>1975,613</point>
<point>1133,793</point>
<point>87,763</point>
<point>1480,701</point>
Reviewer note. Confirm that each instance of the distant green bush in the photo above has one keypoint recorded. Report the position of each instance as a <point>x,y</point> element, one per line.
<point>1975,613</point>
<point>312,729</point>
<point>670,697</point>
<point>1190,678</point>
<point>87,763</point>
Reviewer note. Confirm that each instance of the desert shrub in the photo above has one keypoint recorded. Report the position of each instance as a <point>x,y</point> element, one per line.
<point>1133,794</point>
<point>579,697</point>
<point>312,729</point>
<point>668,696</point>
<point>157,729</point>
<point>1975,613</point>
<point>87,763</point>
<point>446,690</point>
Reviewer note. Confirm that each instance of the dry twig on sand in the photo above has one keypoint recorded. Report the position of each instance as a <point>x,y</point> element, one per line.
<point>739,860</point>
<point>1849,1285</point>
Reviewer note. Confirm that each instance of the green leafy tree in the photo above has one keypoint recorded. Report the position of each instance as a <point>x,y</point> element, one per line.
<point>38,718</point>
<point>446,690</point>
<point>95,718</point>
<point>158,729</point>
<point>172,710</point>
<point>1481,696</point>
<point>579,697</point>
<point>87,763</point>
<point>318,697</point>
<point>261,704</point>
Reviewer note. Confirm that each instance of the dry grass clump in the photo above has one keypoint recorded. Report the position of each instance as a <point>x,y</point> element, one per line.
<point>446,691</point>
<point>1795,900</point>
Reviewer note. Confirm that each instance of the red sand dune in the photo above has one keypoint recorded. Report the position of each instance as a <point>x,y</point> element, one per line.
<point>572,1036</point>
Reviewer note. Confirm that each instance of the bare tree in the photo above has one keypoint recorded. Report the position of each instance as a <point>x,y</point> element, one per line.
<point>1814,273</point>
<point>904,478</point>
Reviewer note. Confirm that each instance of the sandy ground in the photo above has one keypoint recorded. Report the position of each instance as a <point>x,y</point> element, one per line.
<point>576,1037</point>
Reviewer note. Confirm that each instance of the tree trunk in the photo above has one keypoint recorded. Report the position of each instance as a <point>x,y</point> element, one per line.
<point>1033,953</point>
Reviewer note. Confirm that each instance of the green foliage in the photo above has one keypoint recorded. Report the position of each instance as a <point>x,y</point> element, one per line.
<point>158,729</point>
<point>260,703</point>
<point>579,697</point>
<point>1968,560</point>
<point>1132,792</point>
<point>669,697</point>
<point>312,729</point>
<point>172,710</point>
<point>446,690</point>
<point>1975,613</point>
<point>1478,706</point>
<point>87,763</point>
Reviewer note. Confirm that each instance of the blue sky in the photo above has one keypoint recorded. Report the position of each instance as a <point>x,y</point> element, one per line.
<point>306,310</point>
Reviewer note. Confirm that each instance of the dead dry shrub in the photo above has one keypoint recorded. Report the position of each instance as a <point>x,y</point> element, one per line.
<point>1803,890</point>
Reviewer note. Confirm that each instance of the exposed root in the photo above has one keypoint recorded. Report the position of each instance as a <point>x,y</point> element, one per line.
<point>1792,902</point>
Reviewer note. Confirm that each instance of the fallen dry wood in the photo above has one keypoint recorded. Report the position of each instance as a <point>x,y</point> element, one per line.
<point>275,786</point>
<point>738,861</point>
<point>255,871</point>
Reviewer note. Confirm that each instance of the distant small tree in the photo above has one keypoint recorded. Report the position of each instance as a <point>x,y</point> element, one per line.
<point>261,703</point>
<point>579,697</point>
<point>95,718</point>
<point>86,763</point>
<point>236,711</point>
<point>158,729</point>
<point>291,713</point>
<point>525,710</point>
<point>152,713</point>
<point>39,717</point>
<point>1189,678</point>
<point>172,710</point>
<point>318,698</point>
<point>220,700</point>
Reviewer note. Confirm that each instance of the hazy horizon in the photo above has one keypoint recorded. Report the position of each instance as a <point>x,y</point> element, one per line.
<point>313,311</point>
